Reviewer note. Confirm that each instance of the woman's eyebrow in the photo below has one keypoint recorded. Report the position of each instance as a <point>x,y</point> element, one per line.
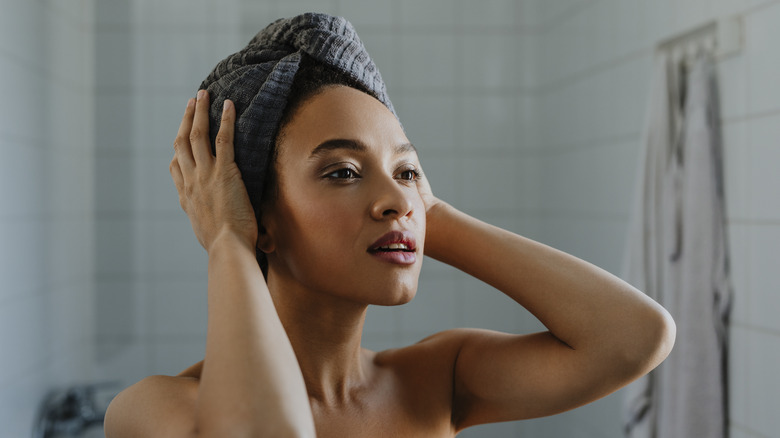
<point>354,145</point>
<point>404,148</point>
<point>335,144</point>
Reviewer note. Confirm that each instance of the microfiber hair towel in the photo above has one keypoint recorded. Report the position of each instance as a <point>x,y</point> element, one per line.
<point>259,77</point>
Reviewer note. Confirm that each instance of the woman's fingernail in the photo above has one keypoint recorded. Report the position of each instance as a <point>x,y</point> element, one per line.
<point>201,93</point>
<point>226,106</point>
<point>190,103</point>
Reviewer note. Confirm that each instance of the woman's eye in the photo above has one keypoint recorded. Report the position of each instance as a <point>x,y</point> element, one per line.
<point>409,175</point>
<point>344,173</point>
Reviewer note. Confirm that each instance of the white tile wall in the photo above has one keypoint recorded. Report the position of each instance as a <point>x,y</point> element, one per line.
<point>762,385</point>
<point>430,123</point>
<point>427,14</point>
<point>739,375</point>
<point>370,15</point>
<point>490,62</point>
<point>736,158</point>
<point>430,62</point>
<point>739,244</point>
<point>764,287</point>
<point>763,179</point>
<point>295,7</point>
<point>489,124</point>
<point>760,34</point>
<point>46,140</point>
<point>177,307</point>
<point>734,85</point>
<point>490,14</point>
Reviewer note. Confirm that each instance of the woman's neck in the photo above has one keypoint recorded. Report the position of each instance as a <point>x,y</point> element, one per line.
<point>325,332</point>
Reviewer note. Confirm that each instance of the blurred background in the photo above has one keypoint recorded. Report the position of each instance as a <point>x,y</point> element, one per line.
<point>527,114</point>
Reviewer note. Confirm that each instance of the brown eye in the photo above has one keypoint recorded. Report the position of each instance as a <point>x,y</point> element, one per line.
<point>345,173</point>
<point>409,175</point>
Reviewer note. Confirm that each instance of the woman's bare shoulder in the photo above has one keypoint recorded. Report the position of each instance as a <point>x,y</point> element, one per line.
<point>193,370</point>
<point>155,406</point>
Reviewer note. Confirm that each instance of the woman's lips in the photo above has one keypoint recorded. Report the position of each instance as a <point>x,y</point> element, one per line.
<point>395,247</point>
<point>397,257</point>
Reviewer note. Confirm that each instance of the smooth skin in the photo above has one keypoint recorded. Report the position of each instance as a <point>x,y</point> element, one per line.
<point>283,357</point>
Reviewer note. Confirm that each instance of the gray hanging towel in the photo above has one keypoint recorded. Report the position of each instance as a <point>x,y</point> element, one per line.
<point>677,253</point>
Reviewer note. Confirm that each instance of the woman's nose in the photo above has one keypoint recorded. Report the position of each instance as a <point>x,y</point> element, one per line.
<point>390,200</point>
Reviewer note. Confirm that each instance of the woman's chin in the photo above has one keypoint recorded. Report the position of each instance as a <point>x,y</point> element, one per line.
<point>397,299</point>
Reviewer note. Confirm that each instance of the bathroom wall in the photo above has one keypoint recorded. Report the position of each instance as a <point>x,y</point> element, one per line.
<point>151,272</point>
<point>46,203</point>
<point>594,58</point>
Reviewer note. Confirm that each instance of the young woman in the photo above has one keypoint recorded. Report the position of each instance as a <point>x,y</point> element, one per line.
<point>344,222</point>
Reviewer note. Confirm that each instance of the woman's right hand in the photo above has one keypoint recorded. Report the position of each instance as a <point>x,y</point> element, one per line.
<point>210,188</point>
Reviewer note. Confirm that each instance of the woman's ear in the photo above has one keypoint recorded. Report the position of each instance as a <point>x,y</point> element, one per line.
<point>265,242</point>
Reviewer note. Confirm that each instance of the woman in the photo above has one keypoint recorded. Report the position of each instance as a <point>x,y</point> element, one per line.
<point>341,220</point>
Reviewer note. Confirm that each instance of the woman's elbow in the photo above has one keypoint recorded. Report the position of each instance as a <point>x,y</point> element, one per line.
<point>655,334</point>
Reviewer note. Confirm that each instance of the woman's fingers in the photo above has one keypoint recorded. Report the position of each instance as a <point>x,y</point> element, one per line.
<point>199,135</point>
<point>181,146</point>
<point>224,141</point>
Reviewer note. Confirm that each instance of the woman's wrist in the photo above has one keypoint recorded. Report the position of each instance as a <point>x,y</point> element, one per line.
<point>439,222</point>
<point>230,240</point>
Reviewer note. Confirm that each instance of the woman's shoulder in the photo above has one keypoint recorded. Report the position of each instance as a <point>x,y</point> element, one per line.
<point>193,371</point>
<point>434,356</point>
<point>155,406</point>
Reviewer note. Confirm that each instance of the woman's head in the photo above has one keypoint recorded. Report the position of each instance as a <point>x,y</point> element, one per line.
<point>326,163</point>
<point>259,80</point>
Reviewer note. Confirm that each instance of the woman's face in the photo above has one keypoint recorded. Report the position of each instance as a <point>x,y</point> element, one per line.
<point>348,220</point>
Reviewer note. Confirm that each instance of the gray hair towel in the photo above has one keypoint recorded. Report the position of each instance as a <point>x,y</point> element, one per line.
<point>258,80</point>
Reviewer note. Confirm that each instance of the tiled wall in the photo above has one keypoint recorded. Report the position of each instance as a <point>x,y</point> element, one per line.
<point>151,273</point>
<point>46,199</point>
<point>593,65</point>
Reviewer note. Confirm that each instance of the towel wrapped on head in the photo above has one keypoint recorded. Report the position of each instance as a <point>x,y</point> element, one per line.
<point>258,80</point>
<point>259,77</point>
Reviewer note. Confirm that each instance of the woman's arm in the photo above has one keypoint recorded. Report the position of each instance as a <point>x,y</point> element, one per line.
<point>250,384</point>
<point>602,332</point>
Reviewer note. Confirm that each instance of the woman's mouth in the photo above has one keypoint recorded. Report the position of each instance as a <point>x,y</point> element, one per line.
<point>395,247</point>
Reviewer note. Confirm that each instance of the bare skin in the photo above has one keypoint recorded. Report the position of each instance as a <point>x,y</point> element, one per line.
<point>283,357</point>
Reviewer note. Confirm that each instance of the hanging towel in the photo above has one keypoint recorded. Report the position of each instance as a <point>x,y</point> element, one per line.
<point>677,254</point>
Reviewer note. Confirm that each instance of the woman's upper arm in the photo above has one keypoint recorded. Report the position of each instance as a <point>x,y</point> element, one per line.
<point>157,406</point>
<point>504,377</point>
